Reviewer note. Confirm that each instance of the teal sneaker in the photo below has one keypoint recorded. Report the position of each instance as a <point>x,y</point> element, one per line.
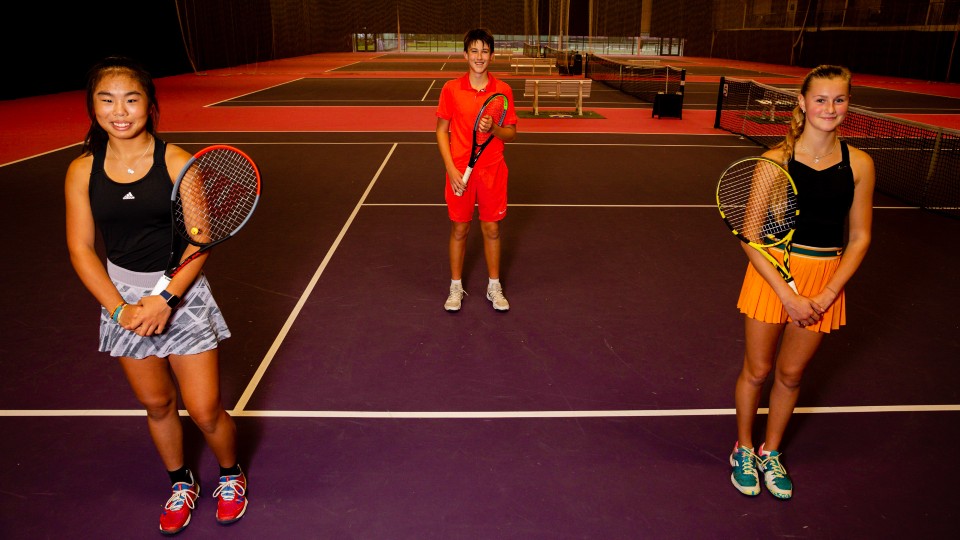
<point>744,470</point>
<point>775,475</point>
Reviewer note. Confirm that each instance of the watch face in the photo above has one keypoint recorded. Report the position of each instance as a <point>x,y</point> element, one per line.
<point>172,300</point>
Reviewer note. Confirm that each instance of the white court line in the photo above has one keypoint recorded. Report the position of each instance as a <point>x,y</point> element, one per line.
<point>268,358</point>
<point>252,92</point>
<point>493,414</point>
<point>425,94</point>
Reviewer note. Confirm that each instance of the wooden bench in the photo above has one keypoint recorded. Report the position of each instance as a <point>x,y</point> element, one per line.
<point>522,62</point>
<point>557,88</point>
<point>770,106</point>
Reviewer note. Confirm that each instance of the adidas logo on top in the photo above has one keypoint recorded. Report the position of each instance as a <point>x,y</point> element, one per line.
<point>129,196</point>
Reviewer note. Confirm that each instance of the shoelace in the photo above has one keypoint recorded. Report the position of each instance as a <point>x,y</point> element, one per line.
<point>496,293</point>
<point>180,497</point>
<point>747,465</point>
<point>773,465</point>
<point>456,294</point>
<point>228,490</point>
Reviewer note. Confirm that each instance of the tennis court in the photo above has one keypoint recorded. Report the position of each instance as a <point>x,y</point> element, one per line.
<point>600,406</point>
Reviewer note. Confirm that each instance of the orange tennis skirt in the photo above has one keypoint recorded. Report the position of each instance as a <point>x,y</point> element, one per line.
<point>812,268</point>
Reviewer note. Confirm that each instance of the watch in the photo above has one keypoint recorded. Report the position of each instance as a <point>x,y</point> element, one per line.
<point>171,299</point>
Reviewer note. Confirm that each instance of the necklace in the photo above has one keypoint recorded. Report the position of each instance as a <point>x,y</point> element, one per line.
<point>816,159</point>
<point>132,170</point>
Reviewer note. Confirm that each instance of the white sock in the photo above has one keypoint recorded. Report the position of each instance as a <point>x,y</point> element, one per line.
<point>456,282</point>
<point>493,282</point>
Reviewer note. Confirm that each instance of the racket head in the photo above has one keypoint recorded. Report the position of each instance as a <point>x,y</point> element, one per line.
<point>215,194</point>
<point>757,199</point>
<point>496,107</point>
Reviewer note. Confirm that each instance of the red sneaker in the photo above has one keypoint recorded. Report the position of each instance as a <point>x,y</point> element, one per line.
<point>231,498</point>
<point>176,512</point>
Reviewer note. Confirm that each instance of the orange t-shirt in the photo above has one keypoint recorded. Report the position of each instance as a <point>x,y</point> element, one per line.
<point>460,103</point>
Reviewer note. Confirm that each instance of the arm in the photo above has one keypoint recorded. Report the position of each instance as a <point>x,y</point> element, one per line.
<point>800,308</point>
<point>81,235</point>
<point>153,311</point>
<point>443,143</point>
<point>505,133</point>
<point>860,225</point>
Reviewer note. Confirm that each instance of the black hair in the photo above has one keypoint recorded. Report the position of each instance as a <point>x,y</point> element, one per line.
<point>115,65</point>
<point>478,34</point>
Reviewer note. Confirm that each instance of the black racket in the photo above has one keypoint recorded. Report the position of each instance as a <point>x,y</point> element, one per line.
<point>758,201</point>
<point>495,107</point>
<point>213,198</point>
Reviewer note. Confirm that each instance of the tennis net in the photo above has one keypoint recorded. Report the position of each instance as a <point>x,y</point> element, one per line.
<point>918,164</point>
<point>643,79</point>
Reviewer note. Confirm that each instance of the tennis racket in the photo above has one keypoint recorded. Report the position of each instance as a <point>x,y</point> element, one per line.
<point>495,107</point>
<point>758,201</point>
<point>213,198</point>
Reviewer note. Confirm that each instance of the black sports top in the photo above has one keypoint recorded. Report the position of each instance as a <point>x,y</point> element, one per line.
<point>134,218</point>
<point>824,199</point>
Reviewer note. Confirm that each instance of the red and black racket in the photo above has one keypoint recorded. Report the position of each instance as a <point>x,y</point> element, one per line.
<point>213,198</point>
<point>495,107</point>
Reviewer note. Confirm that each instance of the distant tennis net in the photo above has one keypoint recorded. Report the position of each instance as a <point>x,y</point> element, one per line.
<point>643,79</point>
<point>916,163</point>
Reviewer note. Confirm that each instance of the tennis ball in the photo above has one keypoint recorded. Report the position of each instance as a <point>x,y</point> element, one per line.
<point>194,231</point>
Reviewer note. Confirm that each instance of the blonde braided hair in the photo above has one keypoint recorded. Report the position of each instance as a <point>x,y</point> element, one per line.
<point>798,119</point>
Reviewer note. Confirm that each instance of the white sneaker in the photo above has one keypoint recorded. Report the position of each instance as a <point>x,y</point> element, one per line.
<point>495,295</point>
<point>455,297</point>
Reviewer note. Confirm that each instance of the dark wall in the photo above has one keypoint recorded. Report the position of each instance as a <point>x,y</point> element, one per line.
<point>172,37</point>
<point>691,20</point>
<point>898,53</point>
<point>48,48</point>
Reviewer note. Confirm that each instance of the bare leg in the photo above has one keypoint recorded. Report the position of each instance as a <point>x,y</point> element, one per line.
<point>458,247</point>
<point>153,387</point>
<point>761,348</point>
<point>491,247</point>
<point>797,349</point>
<point>199,378</point>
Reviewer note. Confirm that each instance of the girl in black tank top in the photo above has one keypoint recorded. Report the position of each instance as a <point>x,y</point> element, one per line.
<point>117,186</point>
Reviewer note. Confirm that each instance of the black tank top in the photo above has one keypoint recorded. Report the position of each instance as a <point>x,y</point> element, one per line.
<point>824,198</point>
<point>134,218</point>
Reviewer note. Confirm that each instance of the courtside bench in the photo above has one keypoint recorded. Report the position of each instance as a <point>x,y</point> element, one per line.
<point>557,88</point>
<point>771,106</point>
<point>521,62</point>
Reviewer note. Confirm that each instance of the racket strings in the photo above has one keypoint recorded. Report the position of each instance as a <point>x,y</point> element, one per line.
<point>495,109</point>
<point>759,202</point>
<point>217,195</point>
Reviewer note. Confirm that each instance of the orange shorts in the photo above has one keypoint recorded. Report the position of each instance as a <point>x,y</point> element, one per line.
<point>486,189</point>
<point>812,268</point>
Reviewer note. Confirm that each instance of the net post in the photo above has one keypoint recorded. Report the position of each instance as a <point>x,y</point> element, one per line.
<point>723,84</point>
<point>931,169</point>
<point>536,97</point>
<point>580,98</point>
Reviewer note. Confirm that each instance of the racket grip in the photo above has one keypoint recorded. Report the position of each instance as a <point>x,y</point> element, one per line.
<point>793,285</point>
<point>161,285</point>
<point>466,176</point>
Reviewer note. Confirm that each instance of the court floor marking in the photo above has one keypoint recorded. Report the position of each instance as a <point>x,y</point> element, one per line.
<point>268,357</point>
<point>465,415</point>
<point>425,94</point>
